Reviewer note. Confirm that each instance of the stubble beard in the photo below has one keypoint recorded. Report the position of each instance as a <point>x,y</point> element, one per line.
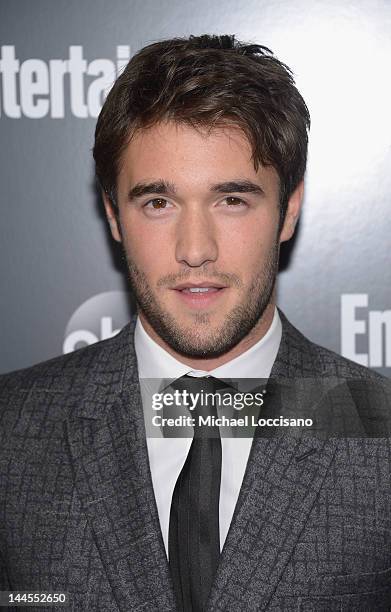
<point>199,340</point>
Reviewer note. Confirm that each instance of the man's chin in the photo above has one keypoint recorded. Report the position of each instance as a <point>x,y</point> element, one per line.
<point>207,342</point>
<point>201,350</point>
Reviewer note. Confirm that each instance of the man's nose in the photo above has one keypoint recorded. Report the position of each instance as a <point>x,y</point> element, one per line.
<point>196,242</point>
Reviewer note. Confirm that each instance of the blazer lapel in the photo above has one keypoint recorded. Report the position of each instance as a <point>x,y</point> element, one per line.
<point>283,477</point>
<point>107,443</point>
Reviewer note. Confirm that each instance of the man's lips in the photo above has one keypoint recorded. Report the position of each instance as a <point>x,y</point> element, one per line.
<point>199,295</point>
<point>198,286</point>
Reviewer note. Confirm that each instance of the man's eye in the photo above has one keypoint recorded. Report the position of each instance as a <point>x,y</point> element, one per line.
<point>233,201</point>
<point>156,203</point>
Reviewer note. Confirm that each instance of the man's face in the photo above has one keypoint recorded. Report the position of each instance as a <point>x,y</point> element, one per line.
<point>199,227</point>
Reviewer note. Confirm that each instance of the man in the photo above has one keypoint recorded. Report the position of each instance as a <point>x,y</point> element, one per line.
<point>200,151</point>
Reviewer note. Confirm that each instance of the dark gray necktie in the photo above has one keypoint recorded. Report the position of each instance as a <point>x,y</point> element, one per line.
<point>194,540</point>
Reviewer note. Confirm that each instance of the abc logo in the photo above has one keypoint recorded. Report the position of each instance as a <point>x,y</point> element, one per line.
<point>98,318</point>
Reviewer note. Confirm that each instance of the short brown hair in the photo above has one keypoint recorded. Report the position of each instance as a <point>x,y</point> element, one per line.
<point>206,81</point>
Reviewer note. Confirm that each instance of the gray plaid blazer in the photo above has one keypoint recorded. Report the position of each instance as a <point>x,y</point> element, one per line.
<point>312,526</point>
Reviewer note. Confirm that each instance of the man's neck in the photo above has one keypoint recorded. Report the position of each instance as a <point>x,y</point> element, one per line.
<point>205,364</point>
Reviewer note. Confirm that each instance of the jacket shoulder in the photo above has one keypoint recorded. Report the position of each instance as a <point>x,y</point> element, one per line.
<point>317,360</point>
<point>333,364</point>
<point>55,372</point>
<point>102,362</point>
<point>339,381</point>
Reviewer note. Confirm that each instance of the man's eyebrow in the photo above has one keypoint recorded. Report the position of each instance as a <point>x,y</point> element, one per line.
<point>165,187</point>
<point>239,186</point>
<point>141,189</point>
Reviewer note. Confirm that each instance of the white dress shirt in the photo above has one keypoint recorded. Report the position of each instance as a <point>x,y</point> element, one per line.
<point>167,455</point>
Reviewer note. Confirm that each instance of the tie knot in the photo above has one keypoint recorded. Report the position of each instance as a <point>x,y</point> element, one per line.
<point>198,384</point>
<point>201,394</point>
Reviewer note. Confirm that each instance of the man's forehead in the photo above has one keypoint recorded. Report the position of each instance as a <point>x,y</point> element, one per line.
<point>187,139</point>
<point>169,151</point>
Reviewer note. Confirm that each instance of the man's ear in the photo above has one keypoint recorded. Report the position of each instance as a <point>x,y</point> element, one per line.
<point>111,217</point>
<point>292,213</point>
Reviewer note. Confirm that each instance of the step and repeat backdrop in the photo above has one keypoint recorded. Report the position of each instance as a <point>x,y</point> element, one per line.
<point>62,279</point>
